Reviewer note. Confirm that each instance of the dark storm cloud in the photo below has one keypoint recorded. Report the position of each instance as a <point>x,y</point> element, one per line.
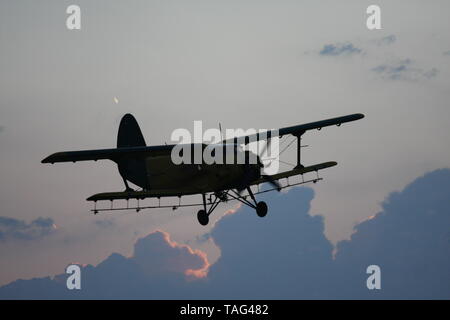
<point>14,229</point>
<point>339,49</point>
<point>286,255</point>
<point>404,69</point>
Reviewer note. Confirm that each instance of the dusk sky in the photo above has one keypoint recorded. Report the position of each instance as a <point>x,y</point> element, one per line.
<point>245,64</point>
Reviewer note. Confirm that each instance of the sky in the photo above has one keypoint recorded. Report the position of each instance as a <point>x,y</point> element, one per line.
<point>245,64</point>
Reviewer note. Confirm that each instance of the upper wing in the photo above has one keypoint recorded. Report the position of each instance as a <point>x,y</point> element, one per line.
<point>118,153</point>
<point>111,154</point>
<point>297,130</point>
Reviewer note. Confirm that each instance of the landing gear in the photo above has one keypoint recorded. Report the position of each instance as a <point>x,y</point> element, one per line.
<point>261,209</point>
<point>202,217</point>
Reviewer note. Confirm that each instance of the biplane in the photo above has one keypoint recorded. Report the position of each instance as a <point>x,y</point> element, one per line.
<point>153,171</point>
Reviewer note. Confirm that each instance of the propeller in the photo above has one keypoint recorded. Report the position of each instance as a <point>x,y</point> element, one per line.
<point>274,183</point>
<point>249,176</point>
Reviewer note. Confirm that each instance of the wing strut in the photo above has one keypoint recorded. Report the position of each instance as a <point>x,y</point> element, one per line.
<point>299,147</point>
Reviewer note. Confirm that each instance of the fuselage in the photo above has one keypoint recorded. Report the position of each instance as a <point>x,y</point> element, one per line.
<point>160,173</point>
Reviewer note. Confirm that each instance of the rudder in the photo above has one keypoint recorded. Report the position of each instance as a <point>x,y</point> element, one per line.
<point>129,134</point>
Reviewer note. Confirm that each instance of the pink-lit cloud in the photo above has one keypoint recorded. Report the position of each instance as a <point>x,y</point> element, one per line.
<point>200,272</point>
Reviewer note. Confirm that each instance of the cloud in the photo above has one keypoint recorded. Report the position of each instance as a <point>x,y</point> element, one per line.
<point>2,128</point>
<point>287,255</point>
<point>284,255</point>
<point>158,254</point>
<point>446,53</point>
<point>158,268</point>
<point>396,69</point>
<point>105,223</point>
<point>14,229</point>
<point>409,239</point>
<point>404,69</point>
<point>385,41</point>
<point>339,49</point>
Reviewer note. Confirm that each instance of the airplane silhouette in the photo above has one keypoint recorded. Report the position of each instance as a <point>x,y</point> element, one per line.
<point>152,169</point>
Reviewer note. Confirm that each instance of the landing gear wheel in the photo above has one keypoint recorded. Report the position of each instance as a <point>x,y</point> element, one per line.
<point>202,217</point>
<point>261,209</point>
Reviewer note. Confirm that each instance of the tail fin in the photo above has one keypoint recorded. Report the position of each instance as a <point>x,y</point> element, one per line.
<point>130,134</point>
